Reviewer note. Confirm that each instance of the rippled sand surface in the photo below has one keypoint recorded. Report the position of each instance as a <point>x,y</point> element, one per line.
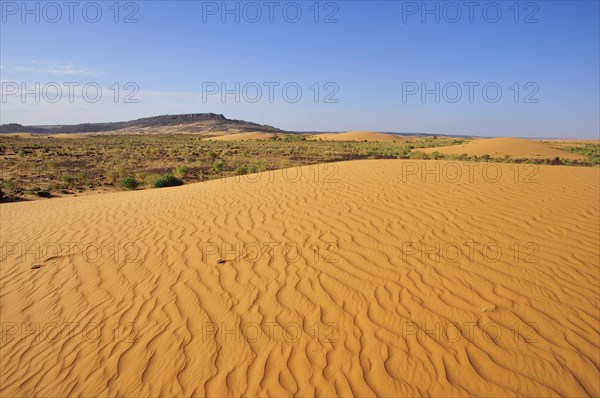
<point>384,277</point>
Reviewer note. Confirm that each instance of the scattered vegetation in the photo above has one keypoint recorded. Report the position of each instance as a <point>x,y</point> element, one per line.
<point>590,150</point>
<point>128,183</point>
<point>418,155</point>
<point>180,171</point>
<point>13,187</point>
<point>218,166</point>
<point>241,170</point>
<point>100,163</point>
<point>167,180</point>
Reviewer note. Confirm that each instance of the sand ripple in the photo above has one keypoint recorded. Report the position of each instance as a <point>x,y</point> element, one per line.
<point>315,286</point>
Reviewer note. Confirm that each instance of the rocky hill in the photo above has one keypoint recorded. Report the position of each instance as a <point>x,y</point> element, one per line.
<point>197,122</point>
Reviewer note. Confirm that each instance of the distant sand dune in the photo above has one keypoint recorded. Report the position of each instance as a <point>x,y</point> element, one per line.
<point>358,136</point>
<point>331,298</point>
<point>516,148</point>
<point>72,135</point>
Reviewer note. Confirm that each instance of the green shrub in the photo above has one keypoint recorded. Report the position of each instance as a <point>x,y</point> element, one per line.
<point>403,153</point>
<point>12,186</point>
<point>83,177</point>
<point>218,166</point>
<point>128,183</point>
<point>241,170</point>
<point>418,155</point>
<point>180,171</point>
<point>68,180</point>
<point>373,154</point>
<point>257,166</point>
<point>295,138</point>
<point>167,180</point>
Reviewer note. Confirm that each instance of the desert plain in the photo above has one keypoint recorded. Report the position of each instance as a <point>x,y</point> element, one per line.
<point>357,269</point>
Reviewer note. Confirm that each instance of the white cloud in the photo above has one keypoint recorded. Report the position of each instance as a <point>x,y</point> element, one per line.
<point>64,70</point>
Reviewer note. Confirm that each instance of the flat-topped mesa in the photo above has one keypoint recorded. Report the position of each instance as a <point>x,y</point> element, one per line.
<point>169,120</point>
<point>214,120</point>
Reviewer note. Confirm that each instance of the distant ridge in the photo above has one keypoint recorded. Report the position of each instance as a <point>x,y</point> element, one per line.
<point>211,121</point>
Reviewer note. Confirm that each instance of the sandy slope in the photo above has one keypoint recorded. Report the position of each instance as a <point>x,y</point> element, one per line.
<point>243,137</point>
<point>516,148</point>
<point>352,310</point>
<point>358,136</point>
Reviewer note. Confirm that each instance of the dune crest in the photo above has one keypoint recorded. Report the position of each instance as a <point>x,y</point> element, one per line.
<point>310,281</point>
<point>358,136</point>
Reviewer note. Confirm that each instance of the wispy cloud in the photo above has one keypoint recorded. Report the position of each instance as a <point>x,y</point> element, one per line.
<point>64,70</point>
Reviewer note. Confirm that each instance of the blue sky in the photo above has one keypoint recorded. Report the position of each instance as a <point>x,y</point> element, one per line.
<point>359,65</point>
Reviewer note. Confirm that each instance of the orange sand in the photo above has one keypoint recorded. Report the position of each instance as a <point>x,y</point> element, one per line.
<point>358,136</point>
<point>516,148</point>
<point>162,300</point>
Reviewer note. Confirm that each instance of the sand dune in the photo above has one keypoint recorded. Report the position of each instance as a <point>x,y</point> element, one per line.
<point>72,135</point>
<point>331,297</point>
<point>243,137</point>
<point>358,136</point>
<point>516,148</point>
